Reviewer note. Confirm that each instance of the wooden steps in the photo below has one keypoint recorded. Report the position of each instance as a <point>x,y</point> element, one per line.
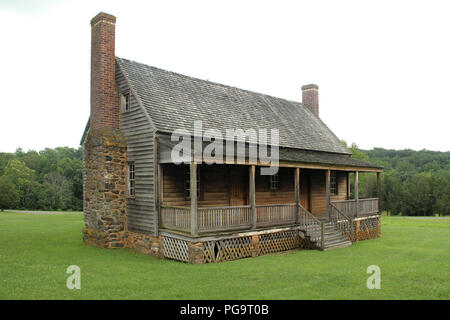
<point>333,238</point>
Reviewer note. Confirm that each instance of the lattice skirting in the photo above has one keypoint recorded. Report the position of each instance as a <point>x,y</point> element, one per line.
<point>231,249</point>
<point>252,246</point>
<point>366,229</point>
<point>279,241</point>
<point>176,249</point>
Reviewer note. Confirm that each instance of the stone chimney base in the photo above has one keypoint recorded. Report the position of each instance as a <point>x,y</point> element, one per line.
<point>105,161</point>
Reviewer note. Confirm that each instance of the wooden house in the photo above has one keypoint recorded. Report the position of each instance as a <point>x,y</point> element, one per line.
<point>135,195</point>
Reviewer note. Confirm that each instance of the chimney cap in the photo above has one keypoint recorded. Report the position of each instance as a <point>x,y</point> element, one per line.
<point>102,16</point>
<point>310,86</point>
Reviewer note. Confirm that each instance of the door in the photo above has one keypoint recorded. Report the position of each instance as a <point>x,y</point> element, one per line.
<point>238,186</point>
<point>305,199</point>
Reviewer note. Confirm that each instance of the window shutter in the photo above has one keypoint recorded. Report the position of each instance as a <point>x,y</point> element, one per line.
<point>123,102</point>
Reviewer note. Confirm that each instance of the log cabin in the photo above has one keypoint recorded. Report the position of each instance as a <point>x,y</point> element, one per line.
<point>136,195</point>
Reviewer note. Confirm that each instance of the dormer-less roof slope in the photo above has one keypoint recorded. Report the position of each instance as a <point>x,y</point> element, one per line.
<point>174,101</point>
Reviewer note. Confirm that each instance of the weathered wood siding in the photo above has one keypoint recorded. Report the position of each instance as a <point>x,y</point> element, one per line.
<point>285,193</point>
<point>318,194</point>
<point>141,213</point>
<point>214,185</point>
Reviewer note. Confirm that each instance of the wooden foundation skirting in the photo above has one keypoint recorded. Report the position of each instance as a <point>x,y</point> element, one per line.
<point>252,244</point>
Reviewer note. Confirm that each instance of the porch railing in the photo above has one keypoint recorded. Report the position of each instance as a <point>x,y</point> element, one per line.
<point>223,218</point>
<point>212,219</point>
<point>366,207</point>
<point>178,218</point>
<point>276,214</point>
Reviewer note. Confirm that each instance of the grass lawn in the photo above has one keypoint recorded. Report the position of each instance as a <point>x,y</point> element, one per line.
<point>35,250</point>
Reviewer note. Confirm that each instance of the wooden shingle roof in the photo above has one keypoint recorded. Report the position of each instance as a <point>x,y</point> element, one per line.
<point>175,101</point>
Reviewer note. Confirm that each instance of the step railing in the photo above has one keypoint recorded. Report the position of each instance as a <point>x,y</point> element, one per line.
<point>341,222</point>
<point>314,227</point>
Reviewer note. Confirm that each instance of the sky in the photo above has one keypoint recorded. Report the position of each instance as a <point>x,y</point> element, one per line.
<point>382,67</point>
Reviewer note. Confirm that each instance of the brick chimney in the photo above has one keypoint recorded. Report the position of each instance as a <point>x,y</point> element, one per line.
<point>310,97</point>
<point>104,149</point>
<point>105,108</point>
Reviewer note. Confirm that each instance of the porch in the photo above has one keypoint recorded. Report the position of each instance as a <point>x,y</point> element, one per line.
<point>227,198</point>
<point>236,218</point>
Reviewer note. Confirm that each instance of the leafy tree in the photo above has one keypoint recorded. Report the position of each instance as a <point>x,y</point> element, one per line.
<point>9,195</point>
<point>21,176</point>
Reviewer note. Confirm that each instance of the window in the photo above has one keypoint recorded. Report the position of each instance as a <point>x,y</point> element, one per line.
<point>131,180</point>
<point>187,183</point>
<point>333,184</point>
<point>125,101</point>
<point>274,182</point>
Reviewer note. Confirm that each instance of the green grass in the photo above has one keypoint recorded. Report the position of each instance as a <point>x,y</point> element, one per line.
<point>35,250</point>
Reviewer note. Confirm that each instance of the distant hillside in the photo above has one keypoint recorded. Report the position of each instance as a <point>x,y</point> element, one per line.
<point>410,162</point>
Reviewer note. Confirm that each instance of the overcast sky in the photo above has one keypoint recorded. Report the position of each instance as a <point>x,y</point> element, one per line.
<point>383,67</point>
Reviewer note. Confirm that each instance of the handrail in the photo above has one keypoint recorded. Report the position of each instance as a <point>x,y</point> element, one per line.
<point>345,228</point>
<point>342,201</point>
<point>176,207</point>
<point>352,200</point>
<point>362,199</point>
<point>276,204</point>
<point>312,228</point>
<point>309,214</point>
<point>339,211</point>
<point>220,208</point>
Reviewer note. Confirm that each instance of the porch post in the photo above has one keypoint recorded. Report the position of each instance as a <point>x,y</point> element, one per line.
<point>193,191</point>
<point>297,194</point>
<point>327,188</point>
<point>159,192</point>
<point>379,191</point>
<point>356,193</point>
<point>252,197</point>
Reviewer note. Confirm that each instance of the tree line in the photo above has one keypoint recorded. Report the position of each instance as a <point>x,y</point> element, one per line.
<point>415,183</point>
<point>50,179</point>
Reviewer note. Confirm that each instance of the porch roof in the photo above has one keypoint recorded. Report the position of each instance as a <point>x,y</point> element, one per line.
<point>326,158</point>
<point>287,157</point>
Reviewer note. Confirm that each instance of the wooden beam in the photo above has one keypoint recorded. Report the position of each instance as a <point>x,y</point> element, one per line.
<point>193,191</point>
<point>156,191</point>
<point>327,190</point>
<point>252,196</point>
<point>297,193</point>
<point>356,192</point>
<point>348,186</point>
<point>379,190</point>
